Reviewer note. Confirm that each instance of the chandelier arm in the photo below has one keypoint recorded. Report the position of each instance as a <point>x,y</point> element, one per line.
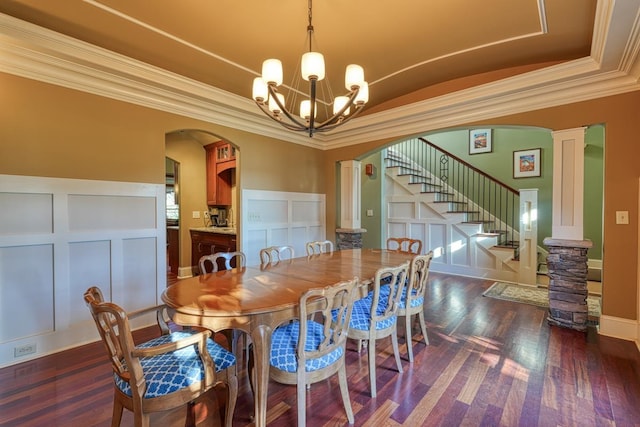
<point>277,119</point>
<point>337,117</point>
<point>272,93</point>
<point>329,126</point>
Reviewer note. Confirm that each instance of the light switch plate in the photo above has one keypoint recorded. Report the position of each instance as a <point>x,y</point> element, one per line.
<point>622,217</point>
<point>369,212</point>
<point>195,214</point>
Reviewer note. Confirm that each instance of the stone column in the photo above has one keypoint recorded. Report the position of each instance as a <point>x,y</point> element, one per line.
<point>349,238</point>
<point>567,264</point>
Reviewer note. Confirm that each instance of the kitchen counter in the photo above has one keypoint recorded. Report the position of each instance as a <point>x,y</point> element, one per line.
<point>217,230</point>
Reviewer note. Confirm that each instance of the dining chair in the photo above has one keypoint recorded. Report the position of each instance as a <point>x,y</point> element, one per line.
<point>412,301</point>
<point>228,257</point>
<point>375,316</point>
<point>163,373</point>
<point>404,244</point>
<point>274,254</point>
<point>319,247</point>
<point>234,336</point>
<point>306,351</point>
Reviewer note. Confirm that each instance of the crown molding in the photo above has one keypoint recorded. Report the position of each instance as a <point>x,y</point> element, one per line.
<point>612,68</point>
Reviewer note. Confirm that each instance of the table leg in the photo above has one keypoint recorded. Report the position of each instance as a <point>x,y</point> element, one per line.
<point>261,337</point>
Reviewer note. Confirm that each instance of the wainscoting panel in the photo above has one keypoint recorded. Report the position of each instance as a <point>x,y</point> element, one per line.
<point>60,236</point>
<point>272,218</point>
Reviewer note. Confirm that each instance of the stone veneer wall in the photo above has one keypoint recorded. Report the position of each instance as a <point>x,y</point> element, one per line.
<point>349,238</point>
<point>568,269</point>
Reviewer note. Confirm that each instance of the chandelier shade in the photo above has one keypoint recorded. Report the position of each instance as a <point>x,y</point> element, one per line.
<point>272,102</point>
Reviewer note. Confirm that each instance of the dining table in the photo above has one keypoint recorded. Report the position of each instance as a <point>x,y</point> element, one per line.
<point>256,299</point>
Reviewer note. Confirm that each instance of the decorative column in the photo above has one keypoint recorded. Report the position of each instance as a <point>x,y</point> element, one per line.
<point>349,234</point>
<point>567,259</point>
<point>567,264</point>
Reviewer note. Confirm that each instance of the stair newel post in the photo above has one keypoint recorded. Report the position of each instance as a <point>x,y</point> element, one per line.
<point>528,236</point>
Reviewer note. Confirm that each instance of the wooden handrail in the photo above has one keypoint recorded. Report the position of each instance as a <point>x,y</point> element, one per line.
<point>473,168</point>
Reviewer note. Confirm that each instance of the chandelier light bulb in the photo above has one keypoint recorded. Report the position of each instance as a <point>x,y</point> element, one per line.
<point>305,109</point>
<point>363,94</point>
<point>312,66</point>
<point>272,71</point>
<point>353,76</point>
<point>339,103</point>
<point>260,90</point>
<point>273,105</point>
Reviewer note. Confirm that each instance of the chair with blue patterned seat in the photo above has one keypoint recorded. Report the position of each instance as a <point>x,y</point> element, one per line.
<point>375,316</point>
<point>309,351</point>
<point>412,300</point>
<point>164,373</point>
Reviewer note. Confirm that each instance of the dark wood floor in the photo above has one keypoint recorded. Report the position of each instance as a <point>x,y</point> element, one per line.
<point>490,363</point>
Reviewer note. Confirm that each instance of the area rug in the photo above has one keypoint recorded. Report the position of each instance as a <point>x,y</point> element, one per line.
<point>533,295</point>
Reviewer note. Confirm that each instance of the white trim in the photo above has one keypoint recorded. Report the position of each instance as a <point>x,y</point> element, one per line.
<point>617,327</point>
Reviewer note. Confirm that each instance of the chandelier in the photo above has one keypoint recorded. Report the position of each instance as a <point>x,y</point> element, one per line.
<point>272,102</point>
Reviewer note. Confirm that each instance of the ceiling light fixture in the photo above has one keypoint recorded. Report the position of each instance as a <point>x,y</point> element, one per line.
<point>272,102</point>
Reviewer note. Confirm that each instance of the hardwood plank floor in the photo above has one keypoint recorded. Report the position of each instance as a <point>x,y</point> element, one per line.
<point>489,363</point>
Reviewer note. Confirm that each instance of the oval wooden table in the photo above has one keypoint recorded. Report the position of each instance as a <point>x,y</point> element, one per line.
<point>257,299</point>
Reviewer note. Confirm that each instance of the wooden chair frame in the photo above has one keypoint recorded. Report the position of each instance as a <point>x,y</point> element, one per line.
<point>274,254</point>
<point>114,328</point>
<point>416,289</point>
<point>241,261</point>
<point>333,306</point>
<point>404,244</point>
<point>319,247</point>
<point>395,278</point>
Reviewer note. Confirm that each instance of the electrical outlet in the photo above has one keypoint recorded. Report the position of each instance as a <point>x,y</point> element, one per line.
<point>622,217</point>
<point>24,350</point>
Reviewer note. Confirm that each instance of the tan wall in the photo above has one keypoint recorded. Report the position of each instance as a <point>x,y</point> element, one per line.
<point>621,116</point>
<point>51,131</point>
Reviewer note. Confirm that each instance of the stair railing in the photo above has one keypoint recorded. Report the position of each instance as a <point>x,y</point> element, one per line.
<point>482,198</point>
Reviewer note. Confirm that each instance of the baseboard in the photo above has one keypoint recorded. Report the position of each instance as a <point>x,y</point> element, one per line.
<point>617,327</point>
<point>185,272</point>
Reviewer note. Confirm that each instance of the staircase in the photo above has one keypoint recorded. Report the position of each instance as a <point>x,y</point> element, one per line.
<point>471,220</point>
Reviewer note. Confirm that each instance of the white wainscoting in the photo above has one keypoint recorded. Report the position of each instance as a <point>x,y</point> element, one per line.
<point>60,236</point>
<point>275,218</point>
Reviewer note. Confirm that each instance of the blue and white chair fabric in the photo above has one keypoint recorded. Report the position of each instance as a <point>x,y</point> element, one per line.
<point>311,348</point>
<point>413,296</point>
<point>163,373</point>
<point>169,372</point>
<point>375,316</point>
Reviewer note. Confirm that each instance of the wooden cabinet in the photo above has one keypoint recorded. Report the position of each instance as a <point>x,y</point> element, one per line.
<point>173,248</point>
<point>221,166</point>
<point>205,243</point>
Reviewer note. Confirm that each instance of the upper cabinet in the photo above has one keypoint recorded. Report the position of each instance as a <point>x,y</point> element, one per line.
<point>221,166</point>
<point>225,152</point>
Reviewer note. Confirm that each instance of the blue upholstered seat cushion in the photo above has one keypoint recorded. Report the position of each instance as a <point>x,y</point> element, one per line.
<point>284,342</point>
<point>361,315</point>
<point>415,302</point>
<point>169,372</point>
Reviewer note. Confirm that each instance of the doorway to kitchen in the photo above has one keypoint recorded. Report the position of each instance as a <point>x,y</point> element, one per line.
<point>172,196</point>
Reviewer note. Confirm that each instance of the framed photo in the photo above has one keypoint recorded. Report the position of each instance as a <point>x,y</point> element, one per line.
<point>526,163</point>
<point>480,141</point>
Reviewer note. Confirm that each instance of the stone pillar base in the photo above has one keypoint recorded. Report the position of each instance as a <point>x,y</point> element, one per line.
<point>567,264</point>
<point>349,238</point>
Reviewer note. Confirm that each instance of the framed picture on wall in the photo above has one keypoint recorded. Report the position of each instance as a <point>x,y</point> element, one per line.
<point>480,141</point>
<point>526,163</point>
